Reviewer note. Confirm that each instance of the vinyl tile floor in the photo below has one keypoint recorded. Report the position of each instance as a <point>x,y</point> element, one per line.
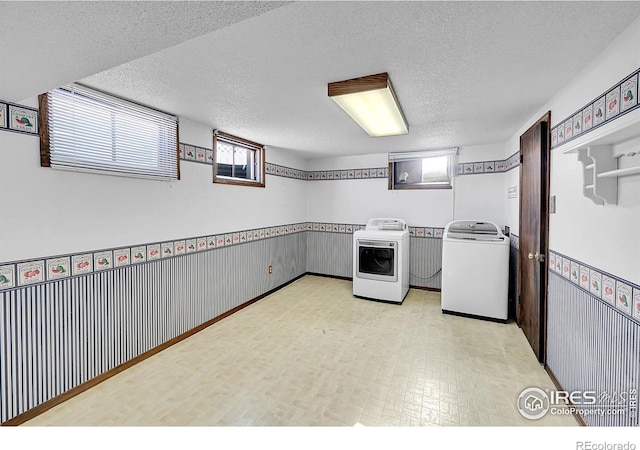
<point>311,354</point>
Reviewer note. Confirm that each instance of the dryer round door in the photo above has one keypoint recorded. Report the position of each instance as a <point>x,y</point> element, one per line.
<point>377,260</point>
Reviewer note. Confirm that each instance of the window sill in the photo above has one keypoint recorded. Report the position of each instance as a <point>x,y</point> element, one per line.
<point>237,182</point>
<point>399,187</point>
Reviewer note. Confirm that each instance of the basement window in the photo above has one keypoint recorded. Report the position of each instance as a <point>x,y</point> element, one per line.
<point>86,130</point>
<point>422,170</point>
<point>237,161</point>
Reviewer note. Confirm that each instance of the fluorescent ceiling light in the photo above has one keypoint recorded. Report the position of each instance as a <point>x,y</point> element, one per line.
<point>372,103</point>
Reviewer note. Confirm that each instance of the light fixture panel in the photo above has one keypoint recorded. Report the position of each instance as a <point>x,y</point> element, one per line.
<point>371,103</point>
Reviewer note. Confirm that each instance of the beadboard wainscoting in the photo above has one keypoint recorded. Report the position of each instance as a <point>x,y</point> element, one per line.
<point>425,267</point>
<point>330,253</point>
<point>593,346</point>
<point>57,335</point>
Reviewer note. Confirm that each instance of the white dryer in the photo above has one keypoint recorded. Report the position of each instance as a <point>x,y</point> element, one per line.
<point>381,260</point>
<point>475,270</point>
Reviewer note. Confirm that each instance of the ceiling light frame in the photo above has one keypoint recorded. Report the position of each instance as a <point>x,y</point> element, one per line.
<point>372,103</point>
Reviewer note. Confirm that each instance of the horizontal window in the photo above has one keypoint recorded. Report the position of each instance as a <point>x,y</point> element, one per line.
<point>421,170</point>
<point>89,131</point>
<point>237,161</point>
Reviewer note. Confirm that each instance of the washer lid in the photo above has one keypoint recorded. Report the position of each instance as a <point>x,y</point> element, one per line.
<point>472,229</point>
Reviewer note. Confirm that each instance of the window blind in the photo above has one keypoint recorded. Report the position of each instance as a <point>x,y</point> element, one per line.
<point>406,156</point>
<point>90,131</point>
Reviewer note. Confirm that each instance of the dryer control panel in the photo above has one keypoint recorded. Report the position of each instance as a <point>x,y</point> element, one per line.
<point>386,224</point>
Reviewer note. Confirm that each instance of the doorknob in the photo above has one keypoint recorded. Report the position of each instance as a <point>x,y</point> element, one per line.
<point>537,256</point>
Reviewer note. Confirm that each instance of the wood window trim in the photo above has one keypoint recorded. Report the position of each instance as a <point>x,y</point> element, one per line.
<point>236,181</point>
<point>43,104</point>
<point>417,187</point>
<point>413,187</point>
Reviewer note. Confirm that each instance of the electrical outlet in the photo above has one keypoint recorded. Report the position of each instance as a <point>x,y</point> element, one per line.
<point>270,270</point>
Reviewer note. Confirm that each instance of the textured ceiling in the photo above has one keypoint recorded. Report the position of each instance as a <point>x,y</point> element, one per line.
<point>48,43</point>
<point>466,73</point>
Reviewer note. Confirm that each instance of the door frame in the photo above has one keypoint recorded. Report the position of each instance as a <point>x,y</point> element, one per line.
<point>545,169</point>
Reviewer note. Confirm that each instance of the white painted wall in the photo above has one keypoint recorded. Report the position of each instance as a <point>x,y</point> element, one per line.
<point>480,196</point>
<point>356,201</point>
<point>48,212</point>
<point>603,236</point>
<point>512,205</point>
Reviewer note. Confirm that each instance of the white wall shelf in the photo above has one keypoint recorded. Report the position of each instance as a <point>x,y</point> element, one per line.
<point>608,154</point>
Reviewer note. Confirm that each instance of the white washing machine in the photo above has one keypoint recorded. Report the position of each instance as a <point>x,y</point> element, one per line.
<point>381,260</point>
<point>475,270</point>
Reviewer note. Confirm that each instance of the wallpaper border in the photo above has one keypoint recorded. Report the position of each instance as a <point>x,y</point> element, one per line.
<point>18,118</point>
<point>618,293</point>
<point>193,153</point>
<point>618,100</point>
<point>203,155</point>
<point>21,273</point>
<point>498,166</point>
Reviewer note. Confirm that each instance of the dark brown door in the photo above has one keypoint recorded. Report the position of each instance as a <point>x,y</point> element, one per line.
<point>534,214</point>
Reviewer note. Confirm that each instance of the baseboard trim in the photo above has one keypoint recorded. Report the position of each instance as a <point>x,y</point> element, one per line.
<point>474,316</point>
<point>43,407</point>
<point>425,288</point>
<point>337,277</point>
<point>576,414</point>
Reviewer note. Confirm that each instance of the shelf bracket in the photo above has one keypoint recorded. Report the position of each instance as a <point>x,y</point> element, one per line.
<point>595,160</point>
<point>604,161</point>
<point>589,177</point>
